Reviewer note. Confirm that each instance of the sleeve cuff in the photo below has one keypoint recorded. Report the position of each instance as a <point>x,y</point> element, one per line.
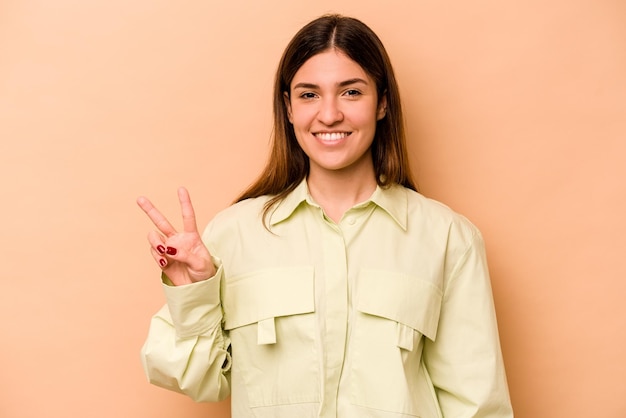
<point>195,308</point>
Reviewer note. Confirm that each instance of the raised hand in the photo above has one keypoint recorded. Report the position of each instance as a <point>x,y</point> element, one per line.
<point>182,256</point>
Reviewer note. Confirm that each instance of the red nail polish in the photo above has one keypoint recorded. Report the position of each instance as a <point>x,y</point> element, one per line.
<point>162,262</point>
<point>171,251</point>
<point>160,249</point>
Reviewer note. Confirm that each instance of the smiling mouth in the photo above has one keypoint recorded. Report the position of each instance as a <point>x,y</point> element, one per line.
<point>331,136</point>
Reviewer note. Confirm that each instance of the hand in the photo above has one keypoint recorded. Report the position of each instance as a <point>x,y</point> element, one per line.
<point>182,256</point>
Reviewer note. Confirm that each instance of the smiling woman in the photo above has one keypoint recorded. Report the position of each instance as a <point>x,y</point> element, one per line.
<point>331,288</point>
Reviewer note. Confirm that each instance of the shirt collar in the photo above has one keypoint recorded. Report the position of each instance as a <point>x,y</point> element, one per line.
<point>393,200</point>
<point>289,204</point>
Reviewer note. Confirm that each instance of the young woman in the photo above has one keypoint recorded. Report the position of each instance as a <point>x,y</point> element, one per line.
<point>331,288</point>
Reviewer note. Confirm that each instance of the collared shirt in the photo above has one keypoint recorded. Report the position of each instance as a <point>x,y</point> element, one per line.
<point>386,314</point>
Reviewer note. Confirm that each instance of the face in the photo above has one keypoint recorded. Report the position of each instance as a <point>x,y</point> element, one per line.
<point>333,106</point>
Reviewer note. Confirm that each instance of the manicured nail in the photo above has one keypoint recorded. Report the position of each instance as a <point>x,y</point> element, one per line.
<point>161,249</point>
<point>162,262</point>
<point>171,251</point>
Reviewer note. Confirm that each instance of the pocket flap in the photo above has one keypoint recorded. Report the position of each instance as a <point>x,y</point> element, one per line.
<point>260,295</point>
<point>400,297</point>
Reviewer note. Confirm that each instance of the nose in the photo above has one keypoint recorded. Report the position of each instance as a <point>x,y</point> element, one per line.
<point>329,112</point>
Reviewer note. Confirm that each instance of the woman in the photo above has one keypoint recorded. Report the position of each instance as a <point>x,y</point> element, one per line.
<point>331,288</point>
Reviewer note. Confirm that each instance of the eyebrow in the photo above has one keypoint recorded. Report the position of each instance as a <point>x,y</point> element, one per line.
<point>340,84</point>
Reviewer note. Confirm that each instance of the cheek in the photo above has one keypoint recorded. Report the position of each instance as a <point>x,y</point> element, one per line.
<point>300,118</point>
<point>299,127</point>
<point>365,118</point>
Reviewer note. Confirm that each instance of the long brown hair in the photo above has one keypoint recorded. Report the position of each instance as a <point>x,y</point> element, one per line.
<point>288,165</point>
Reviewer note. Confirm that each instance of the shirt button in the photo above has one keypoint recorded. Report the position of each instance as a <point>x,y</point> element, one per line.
<point>351,221</point>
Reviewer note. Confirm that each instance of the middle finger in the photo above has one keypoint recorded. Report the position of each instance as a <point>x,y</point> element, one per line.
<point>156,217</point>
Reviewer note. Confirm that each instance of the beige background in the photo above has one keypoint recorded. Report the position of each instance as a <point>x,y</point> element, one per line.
<point>516,118</point>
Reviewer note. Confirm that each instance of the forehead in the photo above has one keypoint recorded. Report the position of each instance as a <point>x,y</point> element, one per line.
<point>329,67</point>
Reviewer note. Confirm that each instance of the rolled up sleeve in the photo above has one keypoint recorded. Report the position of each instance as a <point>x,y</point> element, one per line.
<point>186,349</point>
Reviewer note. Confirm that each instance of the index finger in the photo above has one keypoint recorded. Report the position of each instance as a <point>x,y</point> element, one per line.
<point>155,216</point>
<point>189,216</point>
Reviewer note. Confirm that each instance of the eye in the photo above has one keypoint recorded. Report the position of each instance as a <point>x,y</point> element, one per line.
<point>352,93</point>
<point>307,95</point>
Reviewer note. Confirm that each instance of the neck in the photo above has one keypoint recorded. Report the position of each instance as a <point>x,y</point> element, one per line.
<point>336,192</point>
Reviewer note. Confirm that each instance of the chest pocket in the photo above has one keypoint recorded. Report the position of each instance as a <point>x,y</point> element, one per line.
<point>394,312</point>
<point>270,317</point>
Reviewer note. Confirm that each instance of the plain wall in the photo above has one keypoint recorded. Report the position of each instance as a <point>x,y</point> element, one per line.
<point>516,118</point>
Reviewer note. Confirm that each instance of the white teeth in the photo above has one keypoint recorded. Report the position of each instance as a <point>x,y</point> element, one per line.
<point>331,136</point>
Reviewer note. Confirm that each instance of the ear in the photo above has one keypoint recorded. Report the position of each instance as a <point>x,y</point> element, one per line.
<point>382,107</point>
<point>288,106</point>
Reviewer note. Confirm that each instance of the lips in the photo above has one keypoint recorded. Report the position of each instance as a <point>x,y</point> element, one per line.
<point>331,136</point>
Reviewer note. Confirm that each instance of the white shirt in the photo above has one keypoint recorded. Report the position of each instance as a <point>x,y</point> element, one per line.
<point>386,314</point>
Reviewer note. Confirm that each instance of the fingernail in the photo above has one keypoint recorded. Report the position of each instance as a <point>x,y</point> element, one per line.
<point>171,251</point>
<point>162,262</point>
<point>161,249</point>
